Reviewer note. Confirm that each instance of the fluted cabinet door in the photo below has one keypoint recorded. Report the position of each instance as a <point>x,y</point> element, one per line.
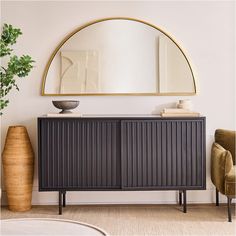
<point>79,154</point>
<point>163,154</point>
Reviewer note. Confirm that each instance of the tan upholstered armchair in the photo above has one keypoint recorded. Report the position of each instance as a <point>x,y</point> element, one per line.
<point>223,172</point>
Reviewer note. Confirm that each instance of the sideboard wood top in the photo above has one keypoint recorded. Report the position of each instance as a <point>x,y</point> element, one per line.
<point>118,116</point>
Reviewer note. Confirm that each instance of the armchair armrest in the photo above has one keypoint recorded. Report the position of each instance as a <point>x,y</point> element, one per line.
<point>221,164</point>
<point>226,138</point>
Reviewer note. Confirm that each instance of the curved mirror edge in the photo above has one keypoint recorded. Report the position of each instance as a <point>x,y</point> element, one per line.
<point>167,87</point>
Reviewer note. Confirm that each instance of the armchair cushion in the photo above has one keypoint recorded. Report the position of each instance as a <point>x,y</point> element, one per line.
<point>221,165</point>
<point>230,181</point>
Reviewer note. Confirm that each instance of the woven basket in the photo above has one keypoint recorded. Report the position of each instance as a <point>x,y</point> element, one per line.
<point>18,167</point>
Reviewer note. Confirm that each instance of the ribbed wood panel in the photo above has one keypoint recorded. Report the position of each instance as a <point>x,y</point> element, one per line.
<point>77,153</point>
<point>163,154</point>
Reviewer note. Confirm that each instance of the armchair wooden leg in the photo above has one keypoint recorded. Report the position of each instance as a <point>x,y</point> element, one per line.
<point>217,197</point>
<point>229,209</point>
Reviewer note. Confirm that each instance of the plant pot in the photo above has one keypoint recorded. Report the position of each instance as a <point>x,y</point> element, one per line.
<point>18,168</point>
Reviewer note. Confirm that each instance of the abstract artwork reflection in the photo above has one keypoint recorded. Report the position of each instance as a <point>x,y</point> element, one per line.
<point>79,72</point>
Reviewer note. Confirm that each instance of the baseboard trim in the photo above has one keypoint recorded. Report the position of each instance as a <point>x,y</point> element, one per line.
<point>122,198</point>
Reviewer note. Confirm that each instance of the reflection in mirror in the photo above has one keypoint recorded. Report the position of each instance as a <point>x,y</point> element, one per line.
<point>118,56</point>
<point>79,72</point>
<point>174,73</point>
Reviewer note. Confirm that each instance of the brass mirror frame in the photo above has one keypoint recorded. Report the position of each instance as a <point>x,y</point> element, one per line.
<point>114,94</point>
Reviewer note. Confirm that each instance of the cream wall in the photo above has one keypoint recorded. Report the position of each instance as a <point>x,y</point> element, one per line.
<point>206,29</point>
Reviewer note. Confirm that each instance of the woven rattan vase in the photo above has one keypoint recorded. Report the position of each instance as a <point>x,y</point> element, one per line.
<point>18,167</point>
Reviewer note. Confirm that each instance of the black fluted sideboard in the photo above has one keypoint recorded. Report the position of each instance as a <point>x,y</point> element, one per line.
<point>121,153</point>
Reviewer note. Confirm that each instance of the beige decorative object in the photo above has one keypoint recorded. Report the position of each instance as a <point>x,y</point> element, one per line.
<point>18,167</point>
<point>183,109</point>
<point>188,114</point>
<point>79,71</point>
<point>185,104</point>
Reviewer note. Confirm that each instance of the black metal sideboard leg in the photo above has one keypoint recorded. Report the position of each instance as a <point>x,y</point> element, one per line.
<point>64,198</point>
<point>59,203</point>
<point>185,202</point>
<point>180,197</point>
<point>229,209</point>
<point>217,197</point>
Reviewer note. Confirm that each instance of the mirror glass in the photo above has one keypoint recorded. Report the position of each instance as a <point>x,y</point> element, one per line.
<point>118,56</point>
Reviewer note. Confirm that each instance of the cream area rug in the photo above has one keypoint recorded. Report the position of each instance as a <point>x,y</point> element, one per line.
<point>48,227</point>
<point>142,220</point>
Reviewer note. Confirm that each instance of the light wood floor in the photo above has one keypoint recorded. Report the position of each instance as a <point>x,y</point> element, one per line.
<point>132,220</point>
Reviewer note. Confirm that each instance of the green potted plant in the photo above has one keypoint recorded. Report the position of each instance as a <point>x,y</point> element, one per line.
<point>13,65</point>
<point>17,156</point>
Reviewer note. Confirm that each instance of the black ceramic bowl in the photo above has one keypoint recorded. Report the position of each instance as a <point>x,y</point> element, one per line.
<point>66,105</point>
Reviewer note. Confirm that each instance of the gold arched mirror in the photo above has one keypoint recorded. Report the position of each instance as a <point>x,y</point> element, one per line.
<point>118,56</point>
